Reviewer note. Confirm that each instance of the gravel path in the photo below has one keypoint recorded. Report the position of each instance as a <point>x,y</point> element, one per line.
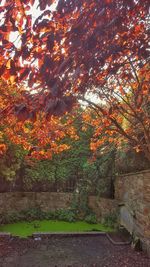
<point>94,251</point>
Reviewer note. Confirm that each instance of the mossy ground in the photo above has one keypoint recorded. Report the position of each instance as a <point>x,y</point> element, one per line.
<point>25,229</point>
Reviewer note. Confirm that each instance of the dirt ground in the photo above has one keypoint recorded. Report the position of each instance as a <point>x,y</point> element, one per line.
<point>93,251</point>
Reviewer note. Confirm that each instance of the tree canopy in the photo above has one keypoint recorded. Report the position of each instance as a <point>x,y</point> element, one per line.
<point>72,48</point>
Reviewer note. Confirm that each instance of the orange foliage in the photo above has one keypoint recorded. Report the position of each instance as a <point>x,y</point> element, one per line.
<point>126,118</point>
<point>96,46</point>
<point>42,137</point>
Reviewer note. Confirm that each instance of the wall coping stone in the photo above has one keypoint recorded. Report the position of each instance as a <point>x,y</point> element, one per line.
<point>50,234</point>
<point>132,173</point>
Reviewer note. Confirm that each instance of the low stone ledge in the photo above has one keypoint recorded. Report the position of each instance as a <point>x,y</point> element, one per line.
<point>44,235</point>
<point>4,235</point>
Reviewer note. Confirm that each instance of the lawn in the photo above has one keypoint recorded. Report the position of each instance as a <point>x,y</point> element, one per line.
<point>25,229</point>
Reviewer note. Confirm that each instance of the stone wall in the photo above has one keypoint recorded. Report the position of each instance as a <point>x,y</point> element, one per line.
<point>132,196</point>
<point>46,201</point>
<point>132,192</point>
<point>103,207</point>
<point>16,201</point>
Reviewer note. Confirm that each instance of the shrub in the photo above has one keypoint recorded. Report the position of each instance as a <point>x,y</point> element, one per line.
<point>33,214</point>
<point>10,218</point>
<point>37,214</point>
<point>68,215</point>
<point>65,215</point>
<point>91,218</point>
<point>50,215</point>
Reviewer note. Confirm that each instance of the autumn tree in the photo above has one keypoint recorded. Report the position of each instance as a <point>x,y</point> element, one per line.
<point>77,47</point>
<point>41,137</point>
<point>123,116</point>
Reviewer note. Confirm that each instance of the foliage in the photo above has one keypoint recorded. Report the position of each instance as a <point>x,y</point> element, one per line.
<point>10,218</point>
<point>72,165</point>
<point>32,214</point>
<point>127,160</point>
<point>74,48</point>
<point>98,174</point>
<point>66,215</point>
<point>80,201</point>
<point>90,171</point>
<point>11,163</point>
<point>55,57</point>
<point>38,136</point>
<point>91,218</point>
<point>124,116</point>
<point>28,215</point>
<point>40,170</point>
<point>111,220</point>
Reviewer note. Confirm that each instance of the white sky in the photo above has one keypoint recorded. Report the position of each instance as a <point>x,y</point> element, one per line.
<point>35,12</point>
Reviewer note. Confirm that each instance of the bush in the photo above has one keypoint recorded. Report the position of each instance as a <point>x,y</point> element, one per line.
<point>10,218</point>
<point>50,215</point>
<point>37,214</point>
<point>33,214</point>
<point>91,218</point>
<point>68,215</point>
<point>65,215</point>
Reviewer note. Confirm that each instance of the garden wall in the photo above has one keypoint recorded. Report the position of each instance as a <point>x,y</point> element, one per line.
<point>132,192</point>
<point>17,201</point>
<point>132,196</point>
<point>103,207</point>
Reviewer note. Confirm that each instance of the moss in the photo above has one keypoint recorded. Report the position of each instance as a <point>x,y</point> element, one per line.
<point>25,229</point>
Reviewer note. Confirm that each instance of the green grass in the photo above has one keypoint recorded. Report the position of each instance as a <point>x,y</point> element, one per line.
<point>25,229</point>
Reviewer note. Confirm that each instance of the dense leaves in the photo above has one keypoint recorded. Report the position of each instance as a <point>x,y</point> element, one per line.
<point>65,49</point>
<point>66,171</point>
<point>40,137</point>
<point>72,47</point>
